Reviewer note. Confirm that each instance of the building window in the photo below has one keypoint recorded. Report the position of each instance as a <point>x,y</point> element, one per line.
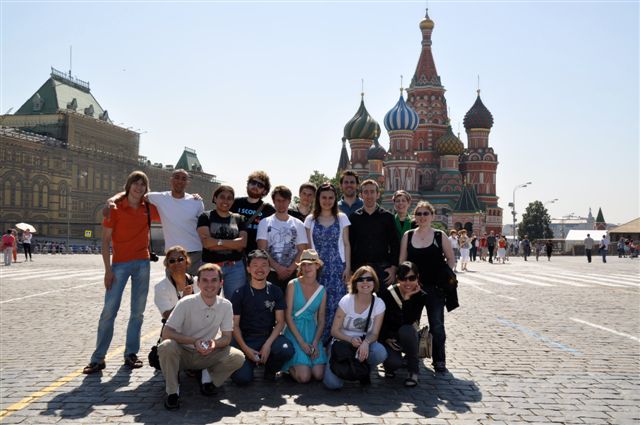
<point>63,198</point>
<point>18,194</point>
<point>7,193</point>
<point>36,195</point>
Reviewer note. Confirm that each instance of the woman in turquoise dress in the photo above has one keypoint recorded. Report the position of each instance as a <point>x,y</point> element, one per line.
<point>305,317</point>
<point>328,234</point>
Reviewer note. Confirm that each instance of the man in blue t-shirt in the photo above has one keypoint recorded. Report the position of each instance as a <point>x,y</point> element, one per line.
<point>258,321</point>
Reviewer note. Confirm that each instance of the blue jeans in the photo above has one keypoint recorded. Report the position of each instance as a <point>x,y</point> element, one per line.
<point>235,277</point>
<point>281,351</point>
<point>377,355</point>
<point>138,270</point>
<point>435,313</point>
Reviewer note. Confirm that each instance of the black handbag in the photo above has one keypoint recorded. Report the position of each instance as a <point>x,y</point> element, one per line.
<point>154,358</point>
<point>343,361</point>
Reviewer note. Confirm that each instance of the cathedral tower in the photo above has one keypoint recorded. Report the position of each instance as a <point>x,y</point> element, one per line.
<point>401,165</point>
<point>360,131</point>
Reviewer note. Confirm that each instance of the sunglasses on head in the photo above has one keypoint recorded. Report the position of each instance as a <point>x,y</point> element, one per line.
<point>422,214</point>
<point>410,278</point>
<point>176,260</point>
<point>364,279</point>
<point>257,183</point>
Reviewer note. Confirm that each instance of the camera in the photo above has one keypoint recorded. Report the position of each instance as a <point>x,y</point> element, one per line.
<point>153,257</point>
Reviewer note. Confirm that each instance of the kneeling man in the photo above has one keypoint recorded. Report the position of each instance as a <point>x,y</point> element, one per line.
<point>190,337</point>
<point>258,315</point>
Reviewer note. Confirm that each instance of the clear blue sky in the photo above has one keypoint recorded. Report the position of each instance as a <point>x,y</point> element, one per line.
<point>270,85</point>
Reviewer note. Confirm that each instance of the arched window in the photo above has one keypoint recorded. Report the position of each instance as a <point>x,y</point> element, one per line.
<point>63,198</point>
<point>36,196</point>
<point>18,194</point>
<point>45,196</point>
<point>7,193</point>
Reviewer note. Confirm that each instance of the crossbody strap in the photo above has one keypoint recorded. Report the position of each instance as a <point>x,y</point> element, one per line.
<point>395,296</point>
<point>366,324</point>
<point>309,301</point>
<point>146,204</point>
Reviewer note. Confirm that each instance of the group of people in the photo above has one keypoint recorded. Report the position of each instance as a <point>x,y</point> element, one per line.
<point>9,246</point>
<point>252,284</point>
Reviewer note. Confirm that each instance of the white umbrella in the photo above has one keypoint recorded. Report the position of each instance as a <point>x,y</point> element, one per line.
<point>25,226</point>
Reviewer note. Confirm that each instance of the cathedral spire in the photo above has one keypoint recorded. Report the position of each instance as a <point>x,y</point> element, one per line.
<point>426,74</point>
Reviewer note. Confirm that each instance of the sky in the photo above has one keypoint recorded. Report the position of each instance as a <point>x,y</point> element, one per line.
<point>270,85</point>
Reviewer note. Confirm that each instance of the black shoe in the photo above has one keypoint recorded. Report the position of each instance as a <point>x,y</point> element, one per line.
<point>440,367</point>
<point>207,389</point>
<point>365,381</point>
<point>270,376</point>
<point>172,402</point>
<point>133,361</point>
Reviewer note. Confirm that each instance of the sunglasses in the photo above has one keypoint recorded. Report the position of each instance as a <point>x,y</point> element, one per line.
<point>364,279</point>
<point>176,260</point>
<point>410,278</point>
<point>257,184</point>
<point>422,214</point>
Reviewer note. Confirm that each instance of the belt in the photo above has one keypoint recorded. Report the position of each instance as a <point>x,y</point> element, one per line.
<point>227,263</point>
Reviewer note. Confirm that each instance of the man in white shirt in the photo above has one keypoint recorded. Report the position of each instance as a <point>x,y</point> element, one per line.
<point>179,212</point>
<point>283,237</point>
<point>588,246</point>
<point>190,337</point>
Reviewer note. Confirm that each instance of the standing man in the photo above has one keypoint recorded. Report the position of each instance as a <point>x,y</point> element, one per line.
<point>526,247</point>
<point>306,193</point>
<point>350,201</point>
<point>179,212</point>
<point>127,229</point>
<point>251,206</point>
<point>373,235</point>
<point>283,237</point>
<point>258,321</point>
<point>604,247</point>
<point>190,337</point>
<point>588,246</point>
<point>491,245</point>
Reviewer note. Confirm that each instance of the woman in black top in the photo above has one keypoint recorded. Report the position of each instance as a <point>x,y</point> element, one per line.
<point>428,249</point>
<point>405,301</point>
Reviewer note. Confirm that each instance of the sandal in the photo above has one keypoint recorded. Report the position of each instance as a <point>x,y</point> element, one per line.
<point>412,380</point>
<point>93,367</point>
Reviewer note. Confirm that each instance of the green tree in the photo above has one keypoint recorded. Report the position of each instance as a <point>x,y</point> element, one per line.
<point>535,222</point>
<point>319,178</point>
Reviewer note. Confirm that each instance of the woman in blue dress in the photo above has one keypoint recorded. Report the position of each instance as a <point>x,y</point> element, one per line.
<point>328,234</point>
<point>305,317</point>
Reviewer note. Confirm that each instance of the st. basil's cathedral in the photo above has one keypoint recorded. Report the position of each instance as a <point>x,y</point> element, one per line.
<point>425,157</point>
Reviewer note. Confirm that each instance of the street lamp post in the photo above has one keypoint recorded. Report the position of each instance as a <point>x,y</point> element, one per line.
<point>513,206</point>
<point>553,201</point>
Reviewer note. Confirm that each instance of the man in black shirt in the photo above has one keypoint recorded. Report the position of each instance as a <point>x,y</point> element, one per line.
<point>258,186</point>
<point>373,235</point>
<point>258,321</point>
<point>491,245</point>
<point>306,194</point>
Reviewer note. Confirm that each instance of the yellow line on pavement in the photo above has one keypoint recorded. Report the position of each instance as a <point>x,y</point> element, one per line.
<point>15,407</point>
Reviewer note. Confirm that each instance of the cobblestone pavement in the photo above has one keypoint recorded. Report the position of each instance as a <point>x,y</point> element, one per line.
<point>533,342</point>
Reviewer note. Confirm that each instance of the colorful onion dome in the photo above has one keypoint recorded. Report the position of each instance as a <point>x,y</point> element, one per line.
<point>449,144</point>
<point>426,23</point>
<point>401,117</point>
<point>362,125</point>
<point>478,116</point>
<point>376,151</point>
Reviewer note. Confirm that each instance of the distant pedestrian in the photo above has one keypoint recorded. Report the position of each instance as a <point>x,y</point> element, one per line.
<point>14,249</point>
<point>502,249</point>
<point>474,248</point>
<point>453,238</point>
<point>7,247</point>
<point>549,249</point>
<point>621,248</point>
<point>483,247</point>
<point>26,245</point>
<point>491,245</point>
<point>537,247</point>
<point>465,248</point>
<point>588,246</point>
<point>526,247</point>
<point>604,247</point>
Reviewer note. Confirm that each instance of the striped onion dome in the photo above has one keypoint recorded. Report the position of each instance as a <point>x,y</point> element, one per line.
<point>362,125</point>
<point>449,144</point>
<point>478,116</point>
<point>401,117</point>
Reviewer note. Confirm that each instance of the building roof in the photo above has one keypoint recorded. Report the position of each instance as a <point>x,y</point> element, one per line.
<point>631,227</point>
<point>189,161</point>
<point>600,217</point>
<point>581,235</point>
<point>401,117</point>
<point>468,201</point>
<point>362,125</point>
<point>343,163</point>
<point>62,92</point>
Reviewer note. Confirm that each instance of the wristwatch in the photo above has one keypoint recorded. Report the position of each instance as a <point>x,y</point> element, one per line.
<point>219,242</point>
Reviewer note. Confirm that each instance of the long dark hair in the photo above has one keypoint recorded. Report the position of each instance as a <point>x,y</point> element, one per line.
<point>325,187</point>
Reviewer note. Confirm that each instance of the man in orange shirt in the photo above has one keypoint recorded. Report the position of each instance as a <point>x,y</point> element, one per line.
<point>127,229</point>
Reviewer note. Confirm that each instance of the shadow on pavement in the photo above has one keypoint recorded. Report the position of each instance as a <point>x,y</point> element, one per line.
<point>143,403</point>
